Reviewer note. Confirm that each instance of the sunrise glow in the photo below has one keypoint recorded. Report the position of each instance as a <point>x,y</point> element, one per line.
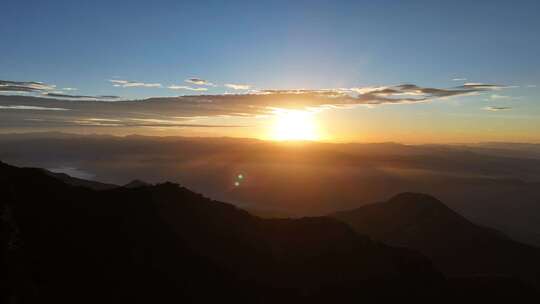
<point>294,125</point>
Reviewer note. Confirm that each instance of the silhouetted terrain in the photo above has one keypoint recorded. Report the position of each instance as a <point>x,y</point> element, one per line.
<point>455,245</point>
<point>496,185</point>
<point>164,243</point>
<point>79,181</point>
<point>136,184</point>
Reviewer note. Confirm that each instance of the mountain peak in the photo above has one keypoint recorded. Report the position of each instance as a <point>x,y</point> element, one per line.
<point>136,183</point>
<point>456,245</point>
<point>415,198</point>
<point>421,204</point>
<point>413,209</point>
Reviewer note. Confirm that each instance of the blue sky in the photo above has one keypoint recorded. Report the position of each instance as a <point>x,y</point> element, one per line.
<point>272,45</point>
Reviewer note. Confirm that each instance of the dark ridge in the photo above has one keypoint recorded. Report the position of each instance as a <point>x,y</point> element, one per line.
<point>164,243</point>
<point>74,181</point>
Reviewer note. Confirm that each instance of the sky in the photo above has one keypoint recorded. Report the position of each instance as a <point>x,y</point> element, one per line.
<point>407,71</point>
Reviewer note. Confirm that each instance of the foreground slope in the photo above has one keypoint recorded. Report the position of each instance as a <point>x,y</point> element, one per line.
<point>164,243</point>
<point>161,244</point>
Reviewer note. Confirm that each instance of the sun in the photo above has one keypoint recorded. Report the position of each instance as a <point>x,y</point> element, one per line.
<point>294,125</point>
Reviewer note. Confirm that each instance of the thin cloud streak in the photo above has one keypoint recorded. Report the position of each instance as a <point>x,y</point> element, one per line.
<point>133,84</point>
<point>495,108</point>
<point>238,86</point>
<point>199,81</point>
<point>84,97</point>
<point>33,108</point>
<point>183,87</point>
<point>24,86</point>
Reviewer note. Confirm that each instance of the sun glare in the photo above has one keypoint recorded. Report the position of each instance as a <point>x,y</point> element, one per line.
<point>294,125</point>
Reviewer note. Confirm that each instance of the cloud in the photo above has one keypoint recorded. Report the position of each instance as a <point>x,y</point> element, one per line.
<point>133,84</point>
<point>182,87</point>
<point>264,101</point>
<point>70,89</point>
<point>139,122</point>
<point>531,86</point>
<point>68,96</point>
<point>459,79</point>
<point>24,86</point>
<point>199,81</point>
<point>485,86</point>
<point>34,108</point>
<point>503,97</point>
<point>238,86</point>
<point>411,93</point>
<point>494,108</point>
<point>366,90</point>
<point>497,96</point>
<point>186,110</point>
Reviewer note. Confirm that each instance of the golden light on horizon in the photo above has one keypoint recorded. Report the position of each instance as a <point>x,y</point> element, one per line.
<point>294,125</point>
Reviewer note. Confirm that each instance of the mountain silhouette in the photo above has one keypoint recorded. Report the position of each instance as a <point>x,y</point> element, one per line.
<point>164,243</point>
<point>74,181</point>
<point>136,183</point>
<point>456,246</point>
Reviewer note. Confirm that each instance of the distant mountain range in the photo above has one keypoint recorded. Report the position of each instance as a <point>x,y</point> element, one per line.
<point>67,243</point>
<point>495,185</point>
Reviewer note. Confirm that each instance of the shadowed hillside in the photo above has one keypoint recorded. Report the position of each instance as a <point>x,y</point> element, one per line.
<point>164,243</point>
<point>73,244</point>
<point>456,246</point>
